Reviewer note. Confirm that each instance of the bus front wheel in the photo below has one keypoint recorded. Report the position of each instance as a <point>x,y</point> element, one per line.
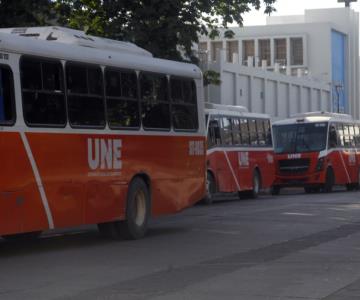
<point>329,181</point>
<point>210,189</point>
<point>275,190</point>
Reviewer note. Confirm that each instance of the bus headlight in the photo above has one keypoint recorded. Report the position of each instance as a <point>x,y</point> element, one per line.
<point>320,164</point>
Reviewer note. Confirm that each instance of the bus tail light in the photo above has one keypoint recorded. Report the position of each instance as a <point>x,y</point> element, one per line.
<point>320,164</point>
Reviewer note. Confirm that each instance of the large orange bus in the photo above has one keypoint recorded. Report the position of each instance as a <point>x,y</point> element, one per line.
<point>240,154</point>
<point>316,151</point>
<point>95,131</point>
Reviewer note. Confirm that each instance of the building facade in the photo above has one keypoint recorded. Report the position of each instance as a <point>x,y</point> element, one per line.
<point>292,64</point>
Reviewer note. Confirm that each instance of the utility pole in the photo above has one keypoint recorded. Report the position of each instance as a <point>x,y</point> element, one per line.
<point>347,2</point>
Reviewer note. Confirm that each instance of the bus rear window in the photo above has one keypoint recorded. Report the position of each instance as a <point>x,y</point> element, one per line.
<point>7,99</point>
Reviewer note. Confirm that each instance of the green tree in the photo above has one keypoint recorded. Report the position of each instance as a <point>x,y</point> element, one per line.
<point>24,13</point>
<point>165,28</point>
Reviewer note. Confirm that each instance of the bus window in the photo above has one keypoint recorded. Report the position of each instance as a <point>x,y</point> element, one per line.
<point>245,136</point>
<point>85,96</point>
<point>253,133</point>
<point>155,107</point>
<point>261,132</point>
<point>214,138</point>
<point>184,104</point>
<point>347,137</point>
<point>227,131</point>
<point>356,135</point>
<point>352,135</point>
<point>121,99</point>
<point>267,128</point>
<point>43,92</point>
<point>340,135</point>
<point>7,99</point>
<point>236,131</point>
<point>332,137</point>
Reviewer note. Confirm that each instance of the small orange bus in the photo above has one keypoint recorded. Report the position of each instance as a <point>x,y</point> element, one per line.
<point>240,157</point>
<point>95,131</point>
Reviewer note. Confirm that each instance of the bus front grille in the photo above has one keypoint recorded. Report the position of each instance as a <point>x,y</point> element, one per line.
<point>294,166</point>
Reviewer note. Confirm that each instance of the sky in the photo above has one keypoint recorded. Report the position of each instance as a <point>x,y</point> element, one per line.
<point>293,7</point>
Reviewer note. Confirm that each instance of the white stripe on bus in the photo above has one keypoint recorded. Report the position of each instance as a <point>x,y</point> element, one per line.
<point>38,180</point>
<point>232,171</point>
<point>233,149</point>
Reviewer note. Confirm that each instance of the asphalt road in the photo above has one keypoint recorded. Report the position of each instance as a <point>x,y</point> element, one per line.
<point>292,246</point>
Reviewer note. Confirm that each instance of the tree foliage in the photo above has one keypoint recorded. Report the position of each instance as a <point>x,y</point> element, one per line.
<point>24,13</point>
<point>165,28</point>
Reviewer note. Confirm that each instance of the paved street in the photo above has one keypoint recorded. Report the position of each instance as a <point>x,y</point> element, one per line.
<point>293,246</point>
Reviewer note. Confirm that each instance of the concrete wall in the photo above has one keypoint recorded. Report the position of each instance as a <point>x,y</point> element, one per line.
<point>262,91</point>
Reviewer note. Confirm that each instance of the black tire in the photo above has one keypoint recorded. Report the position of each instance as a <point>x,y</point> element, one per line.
<point>329,181</point>
<point>135,225</point>
<point>137,215</point>
<point>309,190</point>
<point>210,189</point>
<point>256,185</point>
<point>275,190</point>
<point>22,237</point>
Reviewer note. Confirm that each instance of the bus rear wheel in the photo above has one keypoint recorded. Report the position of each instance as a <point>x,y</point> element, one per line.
<point>137,214</point>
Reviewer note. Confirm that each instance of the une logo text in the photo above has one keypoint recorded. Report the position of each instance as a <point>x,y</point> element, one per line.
<point>104,154</point>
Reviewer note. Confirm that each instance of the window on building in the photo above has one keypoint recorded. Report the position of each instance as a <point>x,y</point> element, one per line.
<point>296,51</point>
<point>265,51</point>
<point>248,48</point>
<point>85,95</point>
<point>232,48</point>
<point>184,104</point>
<point>216,47</point>
<point>280,51</point>
<point>155,106</point>
<point>43,92</point>
<point>203,52</point>
<point>121,99</point>
<point>7,98</point>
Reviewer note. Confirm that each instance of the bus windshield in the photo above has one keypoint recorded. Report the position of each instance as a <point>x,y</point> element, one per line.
<point>298,138</point>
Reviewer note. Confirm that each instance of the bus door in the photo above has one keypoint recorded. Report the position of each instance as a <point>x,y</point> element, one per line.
<point>350,153</point>
<point>227,160</point>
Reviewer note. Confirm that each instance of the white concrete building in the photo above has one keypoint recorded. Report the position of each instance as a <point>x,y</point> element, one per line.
<point>293,64</point>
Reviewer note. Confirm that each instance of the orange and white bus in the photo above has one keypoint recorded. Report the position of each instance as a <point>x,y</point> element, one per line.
<point>240,154</point>
<point>95,131</point>
<point>317,151</point>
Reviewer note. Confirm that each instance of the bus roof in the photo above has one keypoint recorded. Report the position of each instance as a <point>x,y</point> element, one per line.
<point>313,117</point>
<point>231,110</point>
<point>74,45</point>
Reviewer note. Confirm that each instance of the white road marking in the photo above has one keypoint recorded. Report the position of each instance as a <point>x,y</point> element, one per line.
<point>298,214</point>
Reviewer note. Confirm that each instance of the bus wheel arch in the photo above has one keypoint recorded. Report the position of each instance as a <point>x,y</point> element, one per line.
<point>329,180</point>
<point>257,182</point>
<point>211,187</point>
<point>137,211</point>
